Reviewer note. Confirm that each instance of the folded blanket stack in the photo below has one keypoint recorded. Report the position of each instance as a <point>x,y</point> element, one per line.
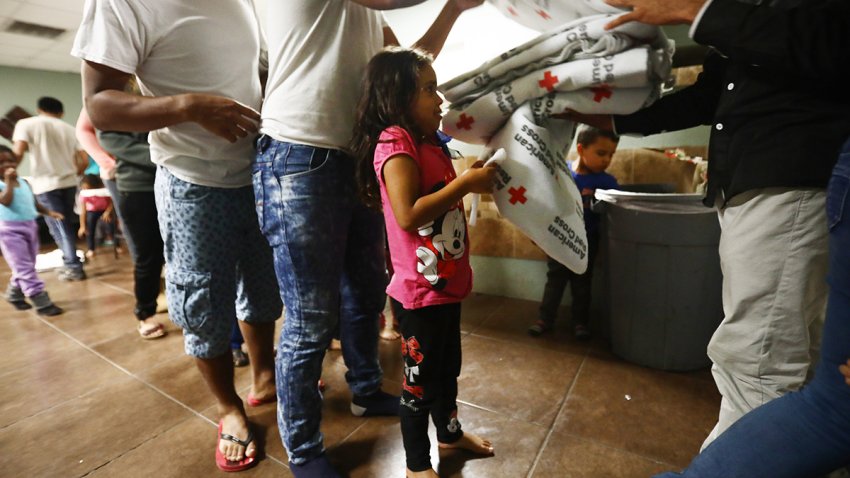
<point>508,103</point>
<point>544,15</point>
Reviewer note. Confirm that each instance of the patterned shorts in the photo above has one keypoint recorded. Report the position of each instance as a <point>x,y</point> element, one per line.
<point>219,265</point>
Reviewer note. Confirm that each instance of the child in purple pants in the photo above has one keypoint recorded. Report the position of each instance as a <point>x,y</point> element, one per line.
<point>19,238</point>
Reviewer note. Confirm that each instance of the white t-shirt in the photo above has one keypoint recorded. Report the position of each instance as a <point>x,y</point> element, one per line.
<point>52,145</point>
<point>183,46</point>
<point>318,52</point>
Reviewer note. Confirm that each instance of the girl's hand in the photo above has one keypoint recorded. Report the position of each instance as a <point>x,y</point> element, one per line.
<point>479,179</point>
<point>463,5</point>
<point>81,233</point>
<point>56,215</point>
<point>107,217</point>
<point>845,370</point>
<point>10,175</point>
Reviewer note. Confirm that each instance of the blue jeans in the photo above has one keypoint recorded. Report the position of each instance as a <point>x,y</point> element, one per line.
<point>807,433</point>
<point>63,232</point>
<point>329,259</point>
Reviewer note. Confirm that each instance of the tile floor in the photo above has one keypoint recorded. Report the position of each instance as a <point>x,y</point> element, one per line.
<point>82,395</point>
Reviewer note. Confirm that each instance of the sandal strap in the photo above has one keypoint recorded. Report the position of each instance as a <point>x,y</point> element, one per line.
<point>245,442</point>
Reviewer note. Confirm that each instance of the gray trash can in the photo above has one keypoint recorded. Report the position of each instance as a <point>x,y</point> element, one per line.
<point>663,279</point>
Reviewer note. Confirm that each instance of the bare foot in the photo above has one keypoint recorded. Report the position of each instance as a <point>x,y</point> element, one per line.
<point>422,474</point>
<point>264,391</point>
<point>473,443</point>
<point>236,425</point>
<point>389,334</point>
<point>335,345</point>
<point>151,329</point>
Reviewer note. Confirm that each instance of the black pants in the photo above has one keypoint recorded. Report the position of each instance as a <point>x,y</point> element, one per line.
<point>139,210</point>
<point>557,278</point>
<point>432,357</point>
<point>92,219</point>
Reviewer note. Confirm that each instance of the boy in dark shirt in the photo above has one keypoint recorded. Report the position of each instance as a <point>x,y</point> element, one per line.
<point>595,148</point>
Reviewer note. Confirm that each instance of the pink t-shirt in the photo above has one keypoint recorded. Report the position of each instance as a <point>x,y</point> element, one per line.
<point>95,203</point>
<point>430,266</point>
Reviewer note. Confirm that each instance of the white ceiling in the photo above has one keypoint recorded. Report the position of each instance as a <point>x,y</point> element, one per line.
<point>40,53</point>
<point>26,51</point>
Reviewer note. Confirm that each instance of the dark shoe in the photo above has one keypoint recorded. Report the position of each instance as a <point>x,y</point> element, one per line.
<point>539,328</point>
<point>239,358</point>
<point>49,311</point>
<point>318,467</point>
<point>581,332</point>
<point>15,296</point>
<point>70,275</point>
<point>43,304</point>
<point>378,404</point>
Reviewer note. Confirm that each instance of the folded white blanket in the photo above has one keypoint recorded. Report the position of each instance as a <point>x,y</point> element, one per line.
<point>509,101</point>
<point>543,15</point>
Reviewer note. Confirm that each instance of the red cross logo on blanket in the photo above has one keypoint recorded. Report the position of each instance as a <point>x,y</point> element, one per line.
<point>601,92</point>
<point>512,11</point>
<point>465,122</point>
<point>548,82</point>
<point>518,195</point>
<point>543,14</point>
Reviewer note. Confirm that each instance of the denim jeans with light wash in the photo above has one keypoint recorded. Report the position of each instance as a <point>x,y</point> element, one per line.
<point>329,259</point>
<point>805,433</point>
<point>63,231</point>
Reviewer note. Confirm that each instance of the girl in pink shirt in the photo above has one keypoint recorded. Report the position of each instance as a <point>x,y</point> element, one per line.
<point>96,206</point>
<point>405,169</point>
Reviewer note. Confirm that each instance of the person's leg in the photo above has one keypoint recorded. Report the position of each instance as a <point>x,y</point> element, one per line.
<point>305,220</point>
<point>11,246</point>
<point>421,347</point>
<point>444,411</point>
<point>258,302</point>
<point>557,277</point>
<point>240,359</point>
<point>236,338</point>
<point>62,231</point>
<point>19,245</point>
<point>92,219</point>
<point>362,300</point>
<point>580,287</point>
<point>806,433</point>
<point>773,253</point>
<point>141,226</point>
<point>201,291</point>
<point>112,187</point>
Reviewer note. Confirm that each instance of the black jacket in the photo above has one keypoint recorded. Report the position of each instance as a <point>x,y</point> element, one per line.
<point>774,124</point>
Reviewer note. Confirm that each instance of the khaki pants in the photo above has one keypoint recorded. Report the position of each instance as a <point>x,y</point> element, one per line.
<point>773,253</point>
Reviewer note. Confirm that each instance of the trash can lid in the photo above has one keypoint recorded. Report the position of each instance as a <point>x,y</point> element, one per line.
<point>655,202</point>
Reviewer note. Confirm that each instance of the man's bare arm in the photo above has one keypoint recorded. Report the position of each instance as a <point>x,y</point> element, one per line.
<point>19,148</point>
<point>111,108</point>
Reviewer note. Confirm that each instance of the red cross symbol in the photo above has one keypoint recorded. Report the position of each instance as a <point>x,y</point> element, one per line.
<point>512,11</point>
<point>543,14</point>
<point>548,82</point>
<point>600,92</point>
<point>465,122</point>
<point>518,195</point>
